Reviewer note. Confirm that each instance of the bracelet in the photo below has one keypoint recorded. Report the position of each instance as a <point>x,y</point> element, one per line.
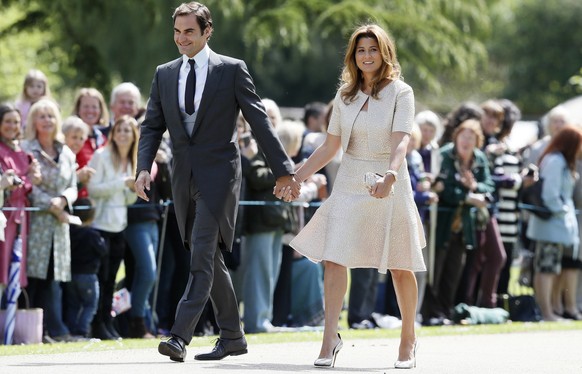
<point>393,173</point>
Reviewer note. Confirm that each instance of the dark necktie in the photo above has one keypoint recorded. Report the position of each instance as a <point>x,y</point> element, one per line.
<point>190,89</point>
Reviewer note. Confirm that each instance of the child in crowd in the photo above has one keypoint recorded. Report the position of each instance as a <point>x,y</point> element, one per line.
<point>76,133</point>
<point>87,250</point>
<point>35,87</point>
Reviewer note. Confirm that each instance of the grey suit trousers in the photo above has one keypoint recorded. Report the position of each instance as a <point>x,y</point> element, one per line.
<point>209,277</point>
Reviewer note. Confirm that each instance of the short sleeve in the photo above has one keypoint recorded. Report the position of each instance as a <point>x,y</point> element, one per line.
<point>334,127</point>
<point>404,110</point>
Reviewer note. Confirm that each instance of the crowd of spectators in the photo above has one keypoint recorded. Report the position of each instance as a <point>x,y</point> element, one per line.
<point>69,187</point>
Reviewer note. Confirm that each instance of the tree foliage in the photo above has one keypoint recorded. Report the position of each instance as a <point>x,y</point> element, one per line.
<point>540,47</point>
<point>23,48</point>
<point>95,43</point>
<point>294,47</point>
<point>297,45</point>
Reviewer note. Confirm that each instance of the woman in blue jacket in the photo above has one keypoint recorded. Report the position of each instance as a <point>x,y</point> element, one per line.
<point>557,238</point>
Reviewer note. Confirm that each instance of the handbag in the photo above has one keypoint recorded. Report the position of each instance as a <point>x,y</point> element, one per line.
<point>532,196</point>
<point>370,180</point>
<point>27,326</point>
<point>523,308</point>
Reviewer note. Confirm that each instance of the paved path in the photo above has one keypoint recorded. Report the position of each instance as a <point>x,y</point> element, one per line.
<point>533,352</point>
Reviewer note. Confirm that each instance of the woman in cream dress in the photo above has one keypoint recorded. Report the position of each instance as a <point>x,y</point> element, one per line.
<point>378,227</point>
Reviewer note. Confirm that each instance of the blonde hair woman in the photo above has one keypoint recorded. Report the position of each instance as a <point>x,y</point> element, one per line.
<point>357,227</point>
<point>49,245</point>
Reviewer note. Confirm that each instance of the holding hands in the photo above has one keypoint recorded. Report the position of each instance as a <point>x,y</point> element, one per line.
<point>287,188</point>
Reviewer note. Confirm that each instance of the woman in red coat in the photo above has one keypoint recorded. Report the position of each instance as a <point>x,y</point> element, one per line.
<point>19,171</point>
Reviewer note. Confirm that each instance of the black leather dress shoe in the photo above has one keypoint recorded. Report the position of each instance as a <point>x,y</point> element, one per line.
<point>225,347</point>
<point>174,348</point>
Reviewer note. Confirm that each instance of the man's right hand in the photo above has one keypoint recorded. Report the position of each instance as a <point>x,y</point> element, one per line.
<point>287,188</point>
<point>142,183</point>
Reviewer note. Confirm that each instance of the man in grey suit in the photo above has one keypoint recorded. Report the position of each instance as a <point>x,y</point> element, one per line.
<point>197,98</point>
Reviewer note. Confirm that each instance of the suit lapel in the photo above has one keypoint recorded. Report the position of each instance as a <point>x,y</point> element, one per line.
<point>212,80</point>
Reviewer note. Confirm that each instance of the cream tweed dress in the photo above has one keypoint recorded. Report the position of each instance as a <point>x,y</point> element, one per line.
<point>352,228</point>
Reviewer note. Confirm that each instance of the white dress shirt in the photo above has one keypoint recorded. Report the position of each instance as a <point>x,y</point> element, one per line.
<point>201,68</point>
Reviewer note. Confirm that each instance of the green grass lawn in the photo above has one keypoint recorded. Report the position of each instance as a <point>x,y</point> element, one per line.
<point>284,337</point>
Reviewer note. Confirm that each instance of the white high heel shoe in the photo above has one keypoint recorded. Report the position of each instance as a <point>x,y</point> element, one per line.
<point>330,362</point>
<point>408,364</point>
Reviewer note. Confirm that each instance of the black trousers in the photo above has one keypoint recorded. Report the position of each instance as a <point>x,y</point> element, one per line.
<point>115,242</point>
<point>208,279</point>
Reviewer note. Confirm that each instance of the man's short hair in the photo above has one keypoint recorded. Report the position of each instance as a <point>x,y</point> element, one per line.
<point>201,12</point>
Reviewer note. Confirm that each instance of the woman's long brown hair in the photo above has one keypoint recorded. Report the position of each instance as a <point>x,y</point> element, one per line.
<point>351,77</point>
<point>115,155</point>
<point>568,141</point>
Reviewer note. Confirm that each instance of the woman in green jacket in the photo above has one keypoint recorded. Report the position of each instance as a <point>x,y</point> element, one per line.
<point>463,183</point>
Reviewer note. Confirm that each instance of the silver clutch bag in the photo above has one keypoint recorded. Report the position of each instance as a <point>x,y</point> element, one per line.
<point>371,178</point>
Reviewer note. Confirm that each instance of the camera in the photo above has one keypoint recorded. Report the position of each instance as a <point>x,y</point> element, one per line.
<point>17,181</point>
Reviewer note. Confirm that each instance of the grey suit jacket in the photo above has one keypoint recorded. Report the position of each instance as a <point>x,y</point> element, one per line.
<point>210,155</point>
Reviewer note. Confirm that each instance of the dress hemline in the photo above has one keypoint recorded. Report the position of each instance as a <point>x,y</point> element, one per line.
<point>365,266</point>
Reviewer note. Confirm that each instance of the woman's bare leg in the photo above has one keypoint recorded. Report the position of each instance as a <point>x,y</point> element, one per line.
<point>335,284</point>
<point>543,286</point>
<point>407,297</point>
<point>570,283</point>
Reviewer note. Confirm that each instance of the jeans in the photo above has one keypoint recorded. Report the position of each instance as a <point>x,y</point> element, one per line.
<point>82,296</point>
<point>261,263</point>
<point>142,239</point>
<point>307,292</point>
